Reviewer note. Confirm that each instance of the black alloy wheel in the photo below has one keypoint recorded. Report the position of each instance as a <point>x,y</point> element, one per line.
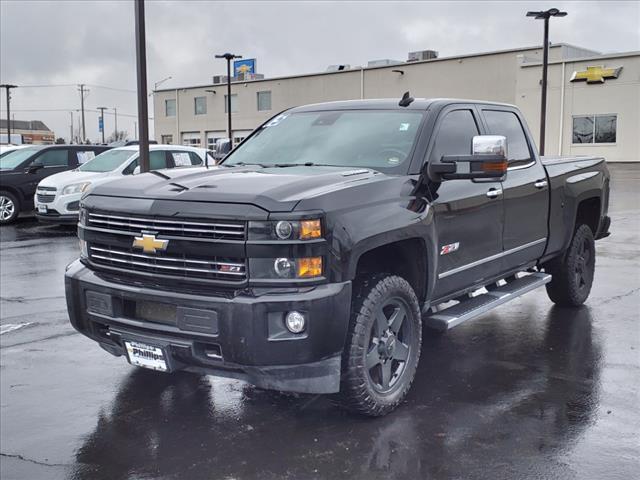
<point>383,345</point>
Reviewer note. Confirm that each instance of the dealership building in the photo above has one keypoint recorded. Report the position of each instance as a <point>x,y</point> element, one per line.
<point>593,99</point>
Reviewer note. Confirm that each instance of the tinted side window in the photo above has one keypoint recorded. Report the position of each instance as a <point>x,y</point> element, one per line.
<point>58,157</point>
<point>508,125</point>
<point>455,135</point>
<point>195,159</point>
<point>157,160</point>
<point>85,155</point>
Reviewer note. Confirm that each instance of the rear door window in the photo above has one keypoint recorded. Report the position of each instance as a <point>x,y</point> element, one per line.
<point>185,159</point>
<point>56,157</point>
<point>508,124</point>
<point>84,156</point>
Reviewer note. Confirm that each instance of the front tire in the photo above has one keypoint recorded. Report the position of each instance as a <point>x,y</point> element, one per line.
<point>572,274</point>
<point>9,208</point>
<point>383,345</point>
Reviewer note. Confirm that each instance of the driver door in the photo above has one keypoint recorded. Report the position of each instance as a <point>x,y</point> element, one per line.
<point>468,214</point>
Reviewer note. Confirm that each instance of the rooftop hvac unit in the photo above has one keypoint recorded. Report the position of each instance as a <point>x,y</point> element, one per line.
<point>383,63</point>
<point>338,68</point>
<point>219,79</point>
<point>422,55</point>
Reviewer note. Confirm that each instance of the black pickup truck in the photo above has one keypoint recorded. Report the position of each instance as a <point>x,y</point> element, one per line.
<point>311,258</point>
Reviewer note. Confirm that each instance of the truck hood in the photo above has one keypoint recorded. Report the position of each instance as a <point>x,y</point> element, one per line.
<point>272,189</point>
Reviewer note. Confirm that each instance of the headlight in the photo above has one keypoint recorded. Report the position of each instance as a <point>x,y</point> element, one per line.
<point>286,230</point>
<point>75,188</point>
<point>285,268</point>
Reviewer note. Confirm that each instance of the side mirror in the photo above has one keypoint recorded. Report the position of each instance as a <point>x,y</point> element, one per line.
<point>136,170</point>
<point>35,166</point>
<point>488,159</point>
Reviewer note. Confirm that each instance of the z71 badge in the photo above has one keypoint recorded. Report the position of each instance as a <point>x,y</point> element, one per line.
<point>452,247</point>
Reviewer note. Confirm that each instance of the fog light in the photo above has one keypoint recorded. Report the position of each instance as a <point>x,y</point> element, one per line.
<point>295,322</point>
<point>284,230</point>
<point>283,267</point>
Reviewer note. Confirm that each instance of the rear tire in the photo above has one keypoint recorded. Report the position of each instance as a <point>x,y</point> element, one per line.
<point>383,345</point>
<point>572,274</point>
<point>9,208</point>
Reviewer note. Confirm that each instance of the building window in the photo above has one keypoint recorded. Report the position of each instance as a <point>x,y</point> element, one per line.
<point>166,139</point>
<point>594,129</point>
<point>191,139</point>
<point>200,105</point>
<point>234,103</point>
<point>170,107</point>
<point>264,101</point>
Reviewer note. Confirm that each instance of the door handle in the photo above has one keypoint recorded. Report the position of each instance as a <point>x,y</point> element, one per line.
<point>494,193</point>
<point>540,184</point>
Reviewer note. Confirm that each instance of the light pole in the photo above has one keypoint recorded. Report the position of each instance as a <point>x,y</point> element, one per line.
<point>8,88</point>
<point>545,15</point>
<point>141,68</point>
<point>158,83</point>
<point>102,109</point>
<point>115,124</point>
<point>229,57</point>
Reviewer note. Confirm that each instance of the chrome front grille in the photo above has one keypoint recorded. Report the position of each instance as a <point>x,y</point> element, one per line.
<point>214,230</point>
<point>46,194</point>
<point>213,268</point>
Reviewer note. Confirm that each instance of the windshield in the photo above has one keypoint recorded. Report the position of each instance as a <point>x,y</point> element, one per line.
<point>376,139</point>
<point>107,161</point>
<point>14,158</point>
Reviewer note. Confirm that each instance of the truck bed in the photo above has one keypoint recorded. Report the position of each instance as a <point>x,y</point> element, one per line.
<point>573,179</point>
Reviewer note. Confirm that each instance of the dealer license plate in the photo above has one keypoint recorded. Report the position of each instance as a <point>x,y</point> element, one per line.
<point>42,209</point>
<point>147,356</point>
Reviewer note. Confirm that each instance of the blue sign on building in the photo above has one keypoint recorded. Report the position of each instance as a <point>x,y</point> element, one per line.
<point>246,66</point>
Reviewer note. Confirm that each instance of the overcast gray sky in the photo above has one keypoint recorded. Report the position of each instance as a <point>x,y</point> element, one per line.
<point>71,42</point>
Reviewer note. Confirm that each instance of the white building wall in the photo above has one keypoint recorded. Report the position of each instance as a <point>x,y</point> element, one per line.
<point>508,76</point>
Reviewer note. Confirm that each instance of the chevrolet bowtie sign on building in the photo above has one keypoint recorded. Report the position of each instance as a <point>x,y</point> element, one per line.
<point>597,74</point>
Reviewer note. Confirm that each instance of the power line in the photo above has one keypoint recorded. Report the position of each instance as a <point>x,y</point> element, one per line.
<point>71,110</point>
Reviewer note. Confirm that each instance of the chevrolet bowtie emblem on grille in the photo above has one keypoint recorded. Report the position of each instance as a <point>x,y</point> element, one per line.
<point>596,74</point>
<point>150,244</point>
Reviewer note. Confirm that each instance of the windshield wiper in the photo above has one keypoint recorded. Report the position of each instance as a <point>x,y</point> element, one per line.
<point>306,164</point>
<point>243,164</point>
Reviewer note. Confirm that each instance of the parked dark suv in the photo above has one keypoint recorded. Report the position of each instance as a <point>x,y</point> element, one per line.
<point>22,170</point>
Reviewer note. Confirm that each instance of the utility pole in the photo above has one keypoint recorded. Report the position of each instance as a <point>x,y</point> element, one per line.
<point>135,130</point>
<point>102,109</point>
<point>229,57</point>
<point>71,129</point>
<point>141,67</point>
<point>8,88</point>
<point>82,92</point>
<point>115,122</point>
<point>545,15</point>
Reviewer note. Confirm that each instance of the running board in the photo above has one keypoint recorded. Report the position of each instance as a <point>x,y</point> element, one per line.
<point>472,307</point>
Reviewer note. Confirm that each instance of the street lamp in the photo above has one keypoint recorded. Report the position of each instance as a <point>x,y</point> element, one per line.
<point>157,84</point>
<point>228,57</point>
<point>545,15</point>
<point>8,88</point>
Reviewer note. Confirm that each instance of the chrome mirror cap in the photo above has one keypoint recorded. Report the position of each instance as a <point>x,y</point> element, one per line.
<point>489,145</point>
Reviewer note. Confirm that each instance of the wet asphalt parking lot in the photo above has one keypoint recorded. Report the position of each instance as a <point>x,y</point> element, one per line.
<point>526,391</point>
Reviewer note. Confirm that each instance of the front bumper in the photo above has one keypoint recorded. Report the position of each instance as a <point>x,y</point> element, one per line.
<point>241,336</point>
<point>54,217</point>
<point>58,211</point>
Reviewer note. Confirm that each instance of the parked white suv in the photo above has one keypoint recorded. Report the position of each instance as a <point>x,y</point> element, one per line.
<point>57,197</point>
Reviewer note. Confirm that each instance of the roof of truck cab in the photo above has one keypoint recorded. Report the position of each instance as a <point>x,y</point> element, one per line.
<point>389,104</point>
